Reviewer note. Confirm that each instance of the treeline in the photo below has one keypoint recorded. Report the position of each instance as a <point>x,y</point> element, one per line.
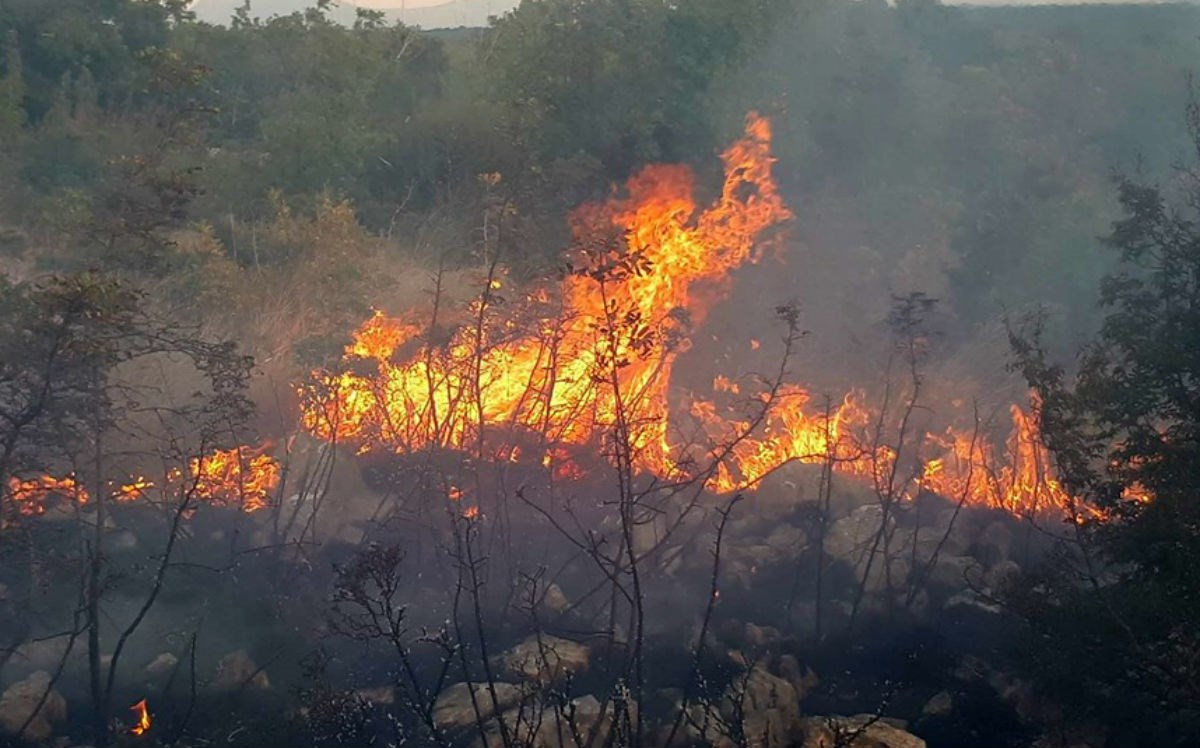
<point>968,151</point>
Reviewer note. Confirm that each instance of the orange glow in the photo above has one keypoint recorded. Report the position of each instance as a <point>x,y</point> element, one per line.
<point>576,360</point>
<point>143,715</point>
<point>242,477</point>
<point>30,496</point>
<point>572,364</point>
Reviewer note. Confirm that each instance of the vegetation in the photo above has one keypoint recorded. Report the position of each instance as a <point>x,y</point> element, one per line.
<point>168,187</point>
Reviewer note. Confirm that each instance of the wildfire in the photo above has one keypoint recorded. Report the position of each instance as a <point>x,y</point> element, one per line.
<point>570,365</point>
<point>30,496</point>
<point>244,477</point>
<point>144,721</point>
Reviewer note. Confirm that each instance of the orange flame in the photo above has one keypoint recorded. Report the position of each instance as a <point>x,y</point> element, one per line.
<point>144,720</point>
<point>31,496</point>
<point>604,355</point>
<point>243,477</point>
<point>571,365</point>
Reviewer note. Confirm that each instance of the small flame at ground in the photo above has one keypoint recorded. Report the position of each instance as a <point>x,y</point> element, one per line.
<point>244,477</point>
<point>143,715</point>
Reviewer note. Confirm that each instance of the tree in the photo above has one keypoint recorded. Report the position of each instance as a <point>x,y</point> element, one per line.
<point>1115,631</point>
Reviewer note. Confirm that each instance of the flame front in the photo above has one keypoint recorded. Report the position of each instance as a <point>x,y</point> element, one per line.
<point>244,477</point>
<point>571,365</point>
<point>143,718</point>
<point>594,356</point>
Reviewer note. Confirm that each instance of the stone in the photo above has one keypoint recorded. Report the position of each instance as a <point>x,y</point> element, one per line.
<point>859,731</point>
<point>994,544</point>
<point>554,600</point>
<point>787,541</point>
<point>803,680</point>
<point>545,658</point>
<point>236,670</point>
<point>851,537</point>
<point>939,705</point>
<point>454,708</point>
<point>573,724</point>
<point>761,636</point>
<point>1001,576</point>
<point>955,572</point>
<point>769,708</point>
<point>380,695</point>
<point>20,704</point>
<point>972,600</point>
<point>162,665</point>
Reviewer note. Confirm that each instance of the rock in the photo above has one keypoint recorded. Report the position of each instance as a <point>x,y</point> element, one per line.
<point>769,708</point>
<point>236,670</point>
<point>545,658</point>
<point>850,538</point>
<point>162,664</point>
<point>761,636</point>
<point>804,681</point>
<point>454,708</point>
<point>860,731</point>
<point>553,599</point>
<point>380,695</point>
<point>43,654</point>
<point>576,724</point>
<point>939,705</point>
<point>21,702</point>
<point>787,541</point>
<point>955,572</point>
<point>1001,576</point>
<point>994,544</point>
<point>972,600</point>
<point>571,725</point>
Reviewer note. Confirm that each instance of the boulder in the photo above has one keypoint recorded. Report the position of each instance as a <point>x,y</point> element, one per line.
<point>955,572</point>
<point>573,724</point>
<point>454,707</point>
<point>1002,575</point>
<point>803,680</point>
<point>162,665</point>
<point>994,544</point>
<point>379,695</point>
<point>545,659</point>
<point>939,705</point>
<point>554,601</point>
<point>860,731</point>
<point>769,708</point>
<point>787,541</point>
<point>236,670</point>
<point>32,701</point>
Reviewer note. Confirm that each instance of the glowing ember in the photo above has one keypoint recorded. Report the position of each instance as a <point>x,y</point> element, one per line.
<point>143,715</point>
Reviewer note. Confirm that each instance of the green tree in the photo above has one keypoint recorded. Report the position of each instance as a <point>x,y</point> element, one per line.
<point>1116,632</point>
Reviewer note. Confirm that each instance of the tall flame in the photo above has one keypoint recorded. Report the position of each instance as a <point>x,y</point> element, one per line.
<point>571,365</point>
